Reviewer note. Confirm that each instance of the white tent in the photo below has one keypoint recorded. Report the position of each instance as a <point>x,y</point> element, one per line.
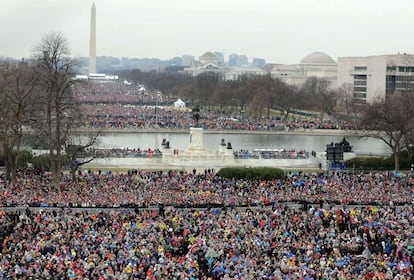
<point>179,104</point>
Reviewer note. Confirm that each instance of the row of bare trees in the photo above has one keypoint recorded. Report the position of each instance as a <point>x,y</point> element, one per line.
<point>37,96</point>
<point>256,95</point>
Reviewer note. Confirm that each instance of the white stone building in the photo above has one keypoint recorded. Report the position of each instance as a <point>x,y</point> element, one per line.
<point>235,73</point>
<point>373,77</point>
<point>316,64</point>
<point>209,62</point>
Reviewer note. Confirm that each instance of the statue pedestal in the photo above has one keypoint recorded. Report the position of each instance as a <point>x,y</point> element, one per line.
<point>228,155</point>
<point>196,146</point>
<point>222,150</point>
<point>196,154</point>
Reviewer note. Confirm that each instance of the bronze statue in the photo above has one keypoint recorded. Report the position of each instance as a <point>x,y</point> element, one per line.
<point>196,116</point>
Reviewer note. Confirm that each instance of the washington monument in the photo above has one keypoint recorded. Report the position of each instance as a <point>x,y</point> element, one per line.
<point>92,42</point>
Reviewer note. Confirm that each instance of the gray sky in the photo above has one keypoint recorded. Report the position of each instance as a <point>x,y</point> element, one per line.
<point>282,31</point>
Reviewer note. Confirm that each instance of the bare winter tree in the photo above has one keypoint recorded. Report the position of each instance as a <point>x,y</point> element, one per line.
<point>318,95</point>
<point>77,151</point>
<point>286,97</point>
<point>392,121</point>
<point>57,106</point>
<point>346,102</point>
<point>17,94</point>
<point>261,89</point>
<point>241,93</point>
<point>206,84</point>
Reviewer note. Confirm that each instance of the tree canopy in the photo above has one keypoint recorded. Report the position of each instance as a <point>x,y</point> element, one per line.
<point>392,121</point>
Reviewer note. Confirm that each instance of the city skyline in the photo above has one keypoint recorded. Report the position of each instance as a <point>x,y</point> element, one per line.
<point>278,31</point>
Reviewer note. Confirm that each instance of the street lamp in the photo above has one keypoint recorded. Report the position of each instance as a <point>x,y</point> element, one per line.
<point>411,148</point>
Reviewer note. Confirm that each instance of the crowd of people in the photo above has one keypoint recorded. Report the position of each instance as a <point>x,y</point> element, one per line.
<point>115,93</point>
<point>156,153</point>
<point>187,189</point>
<point>263,240</point>
<point>104,116</point>
<point>124,106</point>
<point>122,153</point>
<point>272,154</point>
<point>278,243</point>
<point>366,234</point>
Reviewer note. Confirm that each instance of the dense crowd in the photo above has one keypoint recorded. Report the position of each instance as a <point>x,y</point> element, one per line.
<point>263,243</point>
<point>156,153</point>
<point>366,232</point>
<point>272,154</point>
<point>114,93</point>
<point>121,153</point>
<point>191,189</point>
<point>99,116</point>
<point>124,106</point>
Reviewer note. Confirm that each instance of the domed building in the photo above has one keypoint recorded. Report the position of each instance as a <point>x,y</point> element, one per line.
<point>316,64</point>
<point>207,62</point>
<point>208,57</point>
<point>210,62</point>
<point>319,58</point>
<point>319,64</point>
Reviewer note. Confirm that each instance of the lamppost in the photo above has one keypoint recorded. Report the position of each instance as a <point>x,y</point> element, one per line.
<point>141,91</point>
<point>411,147</point>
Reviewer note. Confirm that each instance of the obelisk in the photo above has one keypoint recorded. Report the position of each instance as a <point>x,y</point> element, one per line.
<point>92,41</point>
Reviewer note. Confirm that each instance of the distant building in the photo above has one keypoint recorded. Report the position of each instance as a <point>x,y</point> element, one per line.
<point>220,57</point>
<point>258,62</point>
<point>112,64</point>
<point>316,64</point>
<point>209,62</point>
<point>102,78</point>
<point>238,60</point>
<point>242,60</point>
<point>208,58</point>
<point>378,76</point>
<point>236,73</point>
<point>187,60</point>
<point>233,59</point>
<point>176,61</point>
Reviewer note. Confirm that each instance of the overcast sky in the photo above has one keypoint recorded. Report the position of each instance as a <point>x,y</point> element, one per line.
<point>281,31</point>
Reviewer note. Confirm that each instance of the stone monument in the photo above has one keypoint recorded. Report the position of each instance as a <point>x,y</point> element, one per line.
<point>92,41</point>
<point>196,154</point>
<point>196,146</point>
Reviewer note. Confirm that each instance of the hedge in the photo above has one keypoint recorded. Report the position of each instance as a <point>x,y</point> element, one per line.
<point>43,161</point>
<point>25,157</point>
<point>377,163</point>
<point>251,173</point>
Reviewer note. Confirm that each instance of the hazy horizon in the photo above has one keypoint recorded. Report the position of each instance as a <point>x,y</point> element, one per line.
<point>276,30</point>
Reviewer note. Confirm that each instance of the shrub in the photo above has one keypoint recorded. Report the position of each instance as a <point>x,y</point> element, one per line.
<point>370,163</point>
<point>25,157</point>
<point>42,162</point>
<point>379,163</point>
<point>251,173</point>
